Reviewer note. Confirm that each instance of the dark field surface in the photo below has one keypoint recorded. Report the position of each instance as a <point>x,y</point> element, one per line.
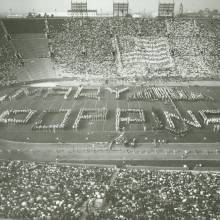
<point>104,131</point>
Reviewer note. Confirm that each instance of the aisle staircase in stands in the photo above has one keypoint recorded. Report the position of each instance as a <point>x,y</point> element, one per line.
<point>115,46</point>
<point>34,51</point>
<point>7,34</point>
<point>106,206</point>
<point>118,54</point>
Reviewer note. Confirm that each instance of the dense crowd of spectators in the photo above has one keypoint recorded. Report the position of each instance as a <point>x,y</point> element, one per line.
<point>194,47</point>
<point>84,47</point>
<point>152,52</point>
<point>46,191</point>
<point>147,51</point>
<point>152,27</point>
<point>96,46</point>
<point>30,190</point>
<point>144,194</point>
<point>209,27</point>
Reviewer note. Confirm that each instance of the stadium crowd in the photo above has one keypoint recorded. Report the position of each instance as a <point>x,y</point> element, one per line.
<point>182,48</point>
<point>143,194</point>
<point>30,190</point>
<point>44,191</point>
<point>84,47</point>
<point>154,47</point>
<point>194,47</point>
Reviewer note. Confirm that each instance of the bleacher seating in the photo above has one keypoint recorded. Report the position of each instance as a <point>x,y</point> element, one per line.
<point>84,47</point>
<point>151,52</point>
<point>152,27</point>
<point>209,27</point>
<point>107,47</point>
<point>31,190</point>
<point>56,24</point>
<point>195,47</point>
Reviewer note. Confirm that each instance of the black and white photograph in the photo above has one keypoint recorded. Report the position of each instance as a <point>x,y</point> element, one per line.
<point>109,109</point>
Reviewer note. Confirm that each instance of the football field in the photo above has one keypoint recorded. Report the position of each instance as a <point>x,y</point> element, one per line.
<point>105,130</point>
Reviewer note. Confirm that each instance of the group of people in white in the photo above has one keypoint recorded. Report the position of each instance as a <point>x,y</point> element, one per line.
<point>3,98</point>
<point>164,93</point>
<point>9,115</point>
<point>117,92</point>
<point>39,125</point>
<point>195,123</point>
<point>180,94</point>
<point>212,120</point>
<point>90,114</point>
<point>16,95</point>
<point>65,91</point>
<point>128,116</point>
<point>169,116</point>
<point>172,128</point>
<point>93,93</point>
<point>152,52</point>
<point>175,122</point>
<point>184,121</point>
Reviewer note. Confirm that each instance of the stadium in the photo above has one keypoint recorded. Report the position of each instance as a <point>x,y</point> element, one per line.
<point>110,117</point>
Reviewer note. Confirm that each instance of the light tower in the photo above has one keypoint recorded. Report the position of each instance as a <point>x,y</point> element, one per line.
<point>166,8</point>
<point>120,8</point>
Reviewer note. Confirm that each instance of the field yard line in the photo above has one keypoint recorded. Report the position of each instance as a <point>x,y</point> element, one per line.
<point>61,106</point>
<point>72,105</point>
<point>32,102</point>
<point>133,132</point>
<point>85,102</point>
<point>51,103</point>
<point>96,103</point>
<point>92,127</point>
<point>103,124</point>
<point>7,103</point>
<point>128,115</point>
<point>140,108</point>
<point>72,109</point>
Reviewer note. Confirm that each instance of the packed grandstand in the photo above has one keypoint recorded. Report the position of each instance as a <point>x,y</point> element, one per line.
<point>30,190</point>
<point>109,47</point>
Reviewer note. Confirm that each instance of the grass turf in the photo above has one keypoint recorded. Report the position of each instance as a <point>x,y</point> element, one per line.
<point>104,131</point>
